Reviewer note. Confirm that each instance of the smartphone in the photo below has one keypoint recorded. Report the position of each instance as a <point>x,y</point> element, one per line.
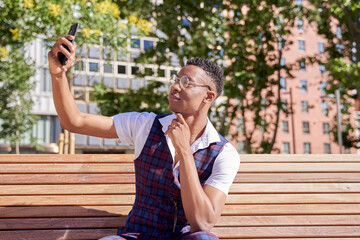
<point>73,30</point>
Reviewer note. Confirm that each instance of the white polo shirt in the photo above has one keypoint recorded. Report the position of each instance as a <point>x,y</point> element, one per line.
<point>133,128</point>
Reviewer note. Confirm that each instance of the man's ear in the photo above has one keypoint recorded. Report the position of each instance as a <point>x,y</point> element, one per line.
<point>210,97</point>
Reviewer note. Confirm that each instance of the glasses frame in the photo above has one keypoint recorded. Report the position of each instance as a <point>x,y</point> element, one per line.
<point>184,82</point>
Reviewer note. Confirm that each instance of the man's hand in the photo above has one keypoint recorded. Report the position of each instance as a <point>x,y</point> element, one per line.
<point>54,63</point>
<point>179,133</point>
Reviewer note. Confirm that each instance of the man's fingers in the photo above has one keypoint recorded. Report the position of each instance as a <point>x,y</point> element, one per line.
<point>181,118</point>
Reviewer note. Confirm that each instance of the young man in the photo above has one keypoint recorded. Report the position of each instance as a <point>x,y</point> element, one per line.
<point>183,167</point>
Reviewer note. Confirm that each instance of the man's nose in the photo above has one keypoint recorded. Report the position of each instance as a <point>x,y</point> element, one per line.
<point>175,87</point>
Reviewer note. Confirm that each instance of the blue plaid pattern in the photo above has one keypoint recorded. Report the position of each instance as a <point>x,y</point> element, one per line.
<point>153,212</point>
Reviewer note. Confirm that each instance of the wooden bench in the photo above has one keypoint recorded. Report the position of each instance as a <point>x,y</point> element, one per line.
<point>88,197</point>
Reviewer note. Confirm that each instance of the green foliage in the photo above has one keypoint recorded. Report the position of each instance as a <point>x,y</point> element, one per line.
<point>145,99</point>
<point>15,97</point>
<point>343,53</point>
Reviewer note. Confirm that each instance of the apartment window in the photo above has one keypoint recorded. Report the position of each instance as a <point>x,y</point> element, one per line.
<point>94,52</point>
<point>108,54</point>
<point>324,108</point>
<point>93,67</point>
<point>121,56</point>
<point>322,69</point>
<point>306,127</point>
<point>338,32</point>
<point>302,65</point>
<point>285,126</point>
<point>122,83</point>
<point>135,43</point>
<point>46,129</point>
<point>45,81</point>
<point>94,80</point>
<point>79,66</point>
<point>161,73</point>
<point>282,61</point>
<point>135,83</point>
<point>300,25</point>
<point>301,45</point>
<point>134,70</point>
<point>241,147</point>
<point>108,82</point>
<point>303,86</point>
<point>283,84</point>
<point>108,68</point>
<point>148,44</point>
<point>323,87</point>
<point>79,80</point>
<point>305,106</point>
<point>327,148</point>
<point>307,148</point>
<point>285,147</point>
<point>121,69</point>
<point>284,105</point>
<point>321,47</point>
<point>149,72</point>
<point>326,128</point>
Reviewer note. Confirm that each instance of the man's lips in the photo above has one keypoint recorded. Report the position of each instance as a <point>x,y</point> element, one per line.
<point>173,97</point>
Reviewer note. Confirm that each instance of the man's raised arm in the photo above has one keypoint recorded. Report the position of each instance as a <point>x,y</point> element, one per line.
<point>69,114</point>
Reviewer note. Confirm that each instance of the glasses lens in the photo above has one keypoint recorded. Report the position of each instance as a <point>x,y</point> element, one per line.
<point>184,81</point>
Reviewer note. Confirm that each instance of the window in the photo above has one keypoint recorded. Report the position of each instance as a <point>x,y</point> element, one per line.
<point>300,25</point>
<point>161,72</point>
<point>324,108</point>
<point>303,86</point>
<point>281,42</point>
<point>79,66</point>
<point>301,45</point>
<point>135,43</point>
<point>134,70</point>
<point>148,44</point>
<point>298,2</point>
<point>149,72</point>
<point>93,67</point>
<point>241,147</point>
<point>302,65</point>
<point>338,32</point>
<point>135,83</point>
<point>285,126</point>
<point>284,105</point>
<point>321,47</point>
<point>285,147</point>
<point>108,82</point>
<point>327,148</point>
<point>121,69</point>
<point>282,61</point>
<point>322,69</point>
<point>326,128</point>
<point>305,106</point>
<point>122,83</point>
<point>306,127</point>
<point>45,81</point>
<point>307,148</point>
<point>283,84</point>
<point>47,129</point>
<point>323,87</point>
<point>108,68</point>
<point>94,52</point>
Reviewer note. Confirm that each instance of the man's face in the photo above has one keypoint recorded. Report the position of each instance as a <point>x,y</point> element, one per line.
<point>189,101</point>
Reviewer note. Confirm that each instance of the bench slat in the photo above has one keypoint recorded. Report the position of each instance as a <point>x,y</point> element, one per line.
<point>124,188</point>
<point>225,221</point>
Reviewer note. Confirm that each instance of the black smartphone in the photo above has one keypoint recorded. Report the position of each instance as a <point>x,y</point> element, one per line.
<point>73,30</point>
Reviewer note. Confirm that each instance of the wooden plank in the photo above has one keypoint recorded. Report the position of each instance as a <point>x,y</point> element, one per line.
<point>280,232</point>
<point>14,190</point>
<point>67,200</point>
<point>291,209</point>
<point>295,188</point>
<point>67,168</point>
<point>236,199</point>
<point>108,178</point>
<point>67,158</point>
<point>61,223</point>
<point>225,221</point>
<point>322,158</point>
<point>296,177</point>
<point>292,198</point>
<point>63,211</point>
<point>68,234</point>
<point>290,220</point>
<point>6,190</point>
<point>129,168</point>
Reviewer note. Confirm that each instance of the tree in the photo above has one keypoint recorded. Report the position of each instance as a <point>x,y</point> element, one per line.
<point>248,38</point>
<point>339,23</point>
<point>15,97</point>
<point>24,20</point>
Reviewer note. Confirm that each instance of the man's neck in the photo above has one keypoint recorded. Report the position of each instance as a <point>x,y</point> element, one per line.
<point>197,125</point>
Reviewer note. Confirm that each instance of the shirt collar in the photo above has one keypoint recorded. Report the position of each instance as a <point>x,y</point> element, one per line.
<point>210,135</point>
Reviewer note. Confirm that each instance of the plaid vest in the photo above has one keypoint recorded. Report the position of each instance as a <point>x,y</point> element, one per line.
<point>158,209</point>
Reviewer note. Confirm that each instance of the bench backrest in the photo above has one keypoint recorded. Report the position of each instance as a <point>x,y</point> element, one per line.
<point>89,196</point>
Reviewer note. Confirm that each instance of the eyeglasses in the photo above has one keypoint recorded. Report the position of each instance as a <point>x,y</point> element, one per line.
<point>185,82</point>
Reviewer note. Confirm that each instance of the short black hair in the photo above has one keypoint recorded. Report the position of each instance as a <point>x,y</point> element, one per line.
<point>213,70</point>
